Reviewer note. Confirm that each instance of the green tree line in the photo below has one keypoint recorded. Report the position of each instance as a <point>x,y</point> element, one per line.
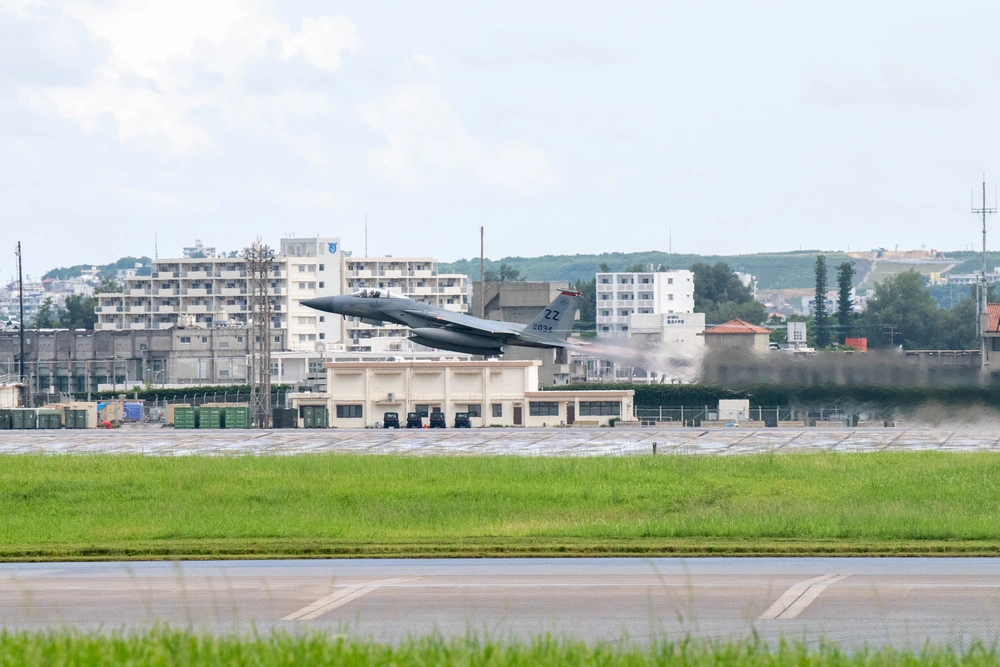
<point>77,312</point>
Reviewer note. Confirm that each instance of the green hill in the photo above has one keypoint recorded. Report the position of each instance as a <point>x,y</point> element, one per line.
<point>773,270</point>
<point>67,272</point>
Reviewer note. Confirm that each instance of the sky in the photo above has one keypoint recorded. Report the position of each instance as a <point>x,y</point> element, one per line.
<point>561,127</point>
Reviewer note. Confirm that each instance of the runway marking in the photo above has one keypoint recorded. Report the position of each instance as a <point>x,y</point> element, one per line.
<point>795,600</point>
<point>340,598</point>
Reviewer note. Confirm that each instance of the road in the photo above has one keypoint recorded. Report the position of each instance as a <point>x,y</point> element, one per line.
<point>853,601</point>
<point>496,441</point>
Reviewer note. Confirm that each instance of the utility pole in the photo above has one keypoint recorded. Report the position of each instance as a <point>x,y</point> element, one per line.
<point>982,293</point>
<point>20,302</point>
<point>482,278</point>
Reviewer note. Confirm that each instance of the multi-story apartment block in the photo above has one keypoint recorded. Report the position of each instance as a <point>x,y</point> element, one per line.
<point>213,291</point>
<point>620,295</point>
<point>415,277</point>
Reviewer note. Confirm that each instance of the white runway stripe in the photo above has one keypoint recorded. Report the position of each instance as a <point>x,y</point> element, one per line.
<point>795,600</point>
<point>339,599</point>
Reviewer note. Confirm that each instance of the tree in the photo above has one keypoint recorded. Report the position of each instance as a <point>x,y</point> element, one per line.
<point>605,268</point>
<point>588,303</point>
<point>902,302</point>
<point>509,274</point>
<point>638,267</point>
<point>45,318</point>
<point>820,316</point>
<point>79,312</point>
<point>845,305</point>
<point>720,294</point>
<point>108,285</point>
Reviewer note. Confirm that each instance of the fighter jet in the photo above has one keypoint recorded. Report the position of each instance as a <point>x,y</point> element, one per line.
<point>447,330</point>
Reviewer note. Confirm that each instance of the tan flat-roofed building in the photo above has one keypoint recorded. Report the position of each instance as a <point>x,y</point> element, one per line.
<point>494,393</point>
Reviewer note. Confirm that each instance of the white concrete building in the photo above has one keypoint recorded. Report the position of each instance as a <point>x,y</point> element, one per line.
<point>494,393</point>
<point>415,277</point>
<point>620,295</point>
<point>212,291</point>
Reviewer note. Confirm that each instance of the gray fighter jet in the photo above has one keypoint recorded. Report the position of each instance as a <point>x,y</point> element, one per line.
<point>447,330</point>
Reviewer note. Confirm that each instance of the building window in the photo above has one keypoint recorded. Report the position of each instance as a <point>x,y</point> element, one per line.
<point>274,369</point>
<point>315,366</point>
<point>312,285</point>
<point>322,285</point>
<point>322,318</point>
<point>349,412</point>
<point>223,344</point>
<point>422,410</point>
<point>322,267</point>
<point>600,408</point>
<point>239,339</point>
<point>302,268</point>
<point>476,410</point>
<point>185,340</point>
<point>223,374</point>
<point>543,408</point>
<point>204,339</point>
<point>322,336</point>
<point>670,281</point>
<point>497,409</point>
<point>670,297</point>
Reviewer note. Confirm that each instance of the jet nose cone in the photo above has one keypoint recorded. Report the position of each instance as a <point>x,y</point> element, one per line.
<point>319,303</point>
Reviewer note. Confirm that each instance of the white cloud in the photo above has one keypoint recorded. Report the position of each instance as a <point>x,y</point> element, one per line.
<point>168,61</point>
<point>426,143</point>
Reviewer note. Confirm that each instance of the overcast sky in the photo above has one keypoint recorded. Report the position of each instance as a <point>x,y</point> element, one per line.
<point>562,126</point>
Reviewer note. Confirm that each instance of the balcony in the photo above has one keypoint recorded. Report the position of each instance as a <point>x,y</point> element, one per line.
<point>197,308</point>
<point>197,291</point>
<point>165,275</point>
<point>141,291</point>
<point>138,325</point>
<point>232,291</point>
<point>136,309</point>
<point>166,291</point>
<point>232,274</point>
<point>196,275</point>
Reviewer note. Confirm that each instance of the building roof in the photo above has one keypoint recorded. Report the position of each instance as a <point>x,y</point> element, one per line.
<point>993,310</point>
<point>736,327</point>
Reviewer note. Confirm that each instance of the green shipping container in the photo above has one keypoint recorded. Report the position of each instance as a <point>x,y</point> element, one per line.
<point>185,418</point>
<point>236,418</point>
<point>5,419</point>
<point>28,419</point>
<point>210,418</point>
<point>308,416</point>
<point>81,419</point>
<point>49,419</point>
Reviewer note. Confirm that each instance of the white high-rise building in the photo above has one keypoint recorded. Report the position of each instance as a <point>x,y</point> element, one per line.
<point>415,277</point>
<point>212,291</point>
<point>620,295</point>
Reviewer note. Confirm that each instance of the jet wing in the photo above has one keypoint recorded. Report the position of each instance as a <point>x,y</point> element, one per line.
<point>458,322</point>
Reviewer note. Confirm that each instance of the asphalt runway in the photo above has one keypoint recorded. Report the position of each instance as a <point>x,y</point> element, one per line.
<point>496,441</point>
<point>903,602</point>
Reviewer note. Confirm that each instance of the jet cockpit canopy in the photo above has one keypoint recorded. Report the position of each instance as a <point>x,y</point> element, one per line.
<point>374,293</point>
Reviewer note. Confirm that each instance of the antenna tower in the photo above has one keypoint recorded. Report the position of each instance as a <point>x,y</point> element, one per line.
<point>260,265</point>
<point>982,291</point>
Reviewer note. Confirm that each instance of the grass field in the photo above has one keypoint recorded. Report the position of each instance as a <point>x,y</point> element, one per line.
<point>167,647</point>
<point>133,506</point>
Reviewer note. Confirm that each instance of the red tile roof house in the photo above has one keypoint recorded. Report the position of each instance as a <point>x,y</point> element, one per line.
<point>736,336</point>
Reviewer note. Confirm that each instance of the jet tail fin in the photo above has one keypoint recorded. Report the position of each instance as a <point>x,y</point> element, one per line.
<point>558,318</point>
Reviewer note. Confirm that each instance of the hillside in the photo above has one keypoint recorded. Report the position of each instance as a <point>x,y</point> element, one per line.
<point>67,272</point>
<point>773,270</point>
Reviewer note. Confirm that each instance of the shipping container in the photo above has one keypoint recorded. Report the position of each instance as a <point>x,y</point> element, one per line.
<point>81,419</point>
<point>209,417</point>
<point>186,417</point>
<point>49,419</point>
<point>5,418</point>
<point>236,417</point>
<point>26,419</point>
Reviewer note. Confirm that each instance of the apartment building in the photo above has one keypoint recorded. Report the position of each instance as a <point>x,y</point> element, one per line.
<point>203,290</point>
<point>414,277</point>
<point>620,295</point>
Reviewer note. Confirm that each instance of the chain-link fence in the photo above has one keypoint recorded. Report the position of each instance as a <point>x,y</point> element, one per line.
<point>769,415</point>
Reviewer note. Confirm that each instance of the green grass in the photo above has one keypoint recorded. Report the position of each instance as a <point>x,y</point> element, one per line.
<point>167,647</point>
<point>135,506</point>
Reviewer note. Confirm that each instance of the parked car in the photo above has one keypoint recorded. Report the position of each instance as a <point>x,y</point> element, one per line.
<point>437,420</point>
<point>390,420</point>
<point>462,420</point>
<point>413,420</point>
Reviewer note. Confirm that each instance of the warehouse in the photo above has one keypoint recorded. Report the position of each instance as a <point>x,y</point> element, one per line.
<point>493,393</point>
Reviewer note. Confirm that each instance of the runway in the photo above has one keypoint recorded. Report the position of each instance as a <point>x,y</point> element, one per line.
<point>852,601</point>
<point>496,441</point>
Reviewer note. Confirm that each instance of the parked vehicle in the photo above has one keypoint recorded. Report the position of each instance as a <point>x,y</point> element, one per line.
<point>390,420</point>
<point>462,420</point>
<point>437,420</point>
<point>413,420</point>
